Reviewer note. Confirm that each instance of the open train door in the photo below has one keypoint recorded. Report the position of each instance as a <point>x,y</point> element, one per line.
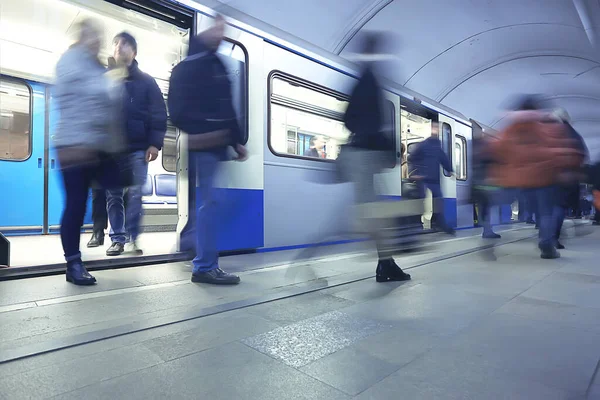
<point>447,180</point>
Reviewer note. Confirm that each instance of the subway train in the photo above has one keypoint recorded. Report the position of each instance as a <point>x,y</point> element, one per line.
<point>286,92</point>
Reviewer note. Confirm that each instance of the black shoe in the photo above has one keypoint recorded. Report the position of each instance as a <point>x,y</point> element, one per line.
<point>97,240</point>
<point>491,235</point>
<point>78,275</point>
<point>559,246</point>
<point>550,254</point>
<point>115,249</point>
<point>388,270</point>
<point>530,222</point>
<point>216,277</point>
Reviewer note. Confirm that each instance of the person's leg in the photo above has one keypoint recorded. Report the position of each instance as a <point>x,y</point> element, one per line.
<point>77,183</point>
<point>134,198</point>
<point>559,213</point>
<point>488,231</point>
<point>99,217</point>
<point>116,216</point>
<point>439,214</point>
<point>546,202</point>
<point>206,263</point>
<point>188,234</point>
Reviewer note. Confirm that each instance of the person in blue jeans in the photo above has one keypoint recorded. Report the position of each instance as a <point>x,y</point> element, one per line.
<point>427,159</point>
<point>145,117</point>
<point>200,104</point>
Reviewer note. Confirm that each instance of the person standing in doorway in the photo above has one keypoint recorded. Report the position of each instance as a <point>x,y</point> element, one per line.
<point>145,127</point>
<point>427,159</point>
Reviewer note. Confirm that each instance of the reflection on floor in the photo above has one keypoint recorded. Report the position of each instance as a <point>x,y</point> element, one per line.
<point>27,251</point>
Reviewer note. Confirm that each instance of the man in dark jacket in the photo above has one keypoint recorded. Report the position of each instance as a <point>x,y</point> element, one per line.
<point>200,104</point>
<point>145,126</point>
<point>427,159</point>
<point>369,151</point>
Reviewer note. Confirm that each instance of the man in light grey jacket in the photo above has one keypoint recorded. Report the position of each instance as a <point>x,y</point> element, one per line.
<point>89,103</point>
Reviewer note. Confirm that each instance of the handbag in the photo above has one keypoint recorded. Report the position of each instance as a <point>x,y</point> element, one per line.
<point>210,140</point>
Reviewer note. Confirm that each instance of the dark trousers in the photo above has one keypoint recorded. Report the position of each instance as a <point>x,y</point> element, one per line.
<point>77,186</point>
<point>99,214</point>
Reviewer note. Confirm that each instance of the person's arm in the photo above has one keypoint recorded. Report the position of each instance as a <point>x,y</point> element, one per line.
<point>445,161</point>
<point>158,115</point>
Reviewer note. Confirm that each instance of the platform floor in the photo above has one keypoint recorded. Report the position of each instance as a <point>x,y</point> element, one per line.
<point>465,327</point>
<point>34,250</point>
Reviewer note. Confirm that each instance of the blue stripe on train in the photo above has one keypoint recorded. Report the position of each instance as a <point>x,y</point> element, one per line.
<point>240,219</point>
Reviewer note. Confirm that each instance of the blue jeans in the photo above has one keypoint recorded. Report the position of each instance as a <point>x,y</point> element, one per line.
<point>124,224</point>
<point>200,231</point>
<point>545,202</point>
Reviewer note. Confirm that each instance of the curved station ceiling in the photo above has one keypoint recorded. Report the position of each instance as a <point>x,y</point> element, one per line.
<point>471,55</point>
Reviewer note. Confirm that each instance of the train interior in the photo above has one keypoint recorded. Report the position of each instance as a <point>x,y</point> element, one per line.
<point>33,36</point>
<point>292,129</point>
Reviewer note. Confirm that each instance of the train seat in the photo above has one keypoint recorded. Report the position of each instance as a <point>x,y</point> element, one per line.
<point>166,185</point>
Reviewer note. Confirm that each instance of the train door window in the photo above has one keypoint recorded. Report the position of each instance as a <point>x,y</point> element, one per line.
<point>447,143</point>
<point>15,120</point>
<point>305,120</point>
<point>235,58</point>
<point>460,158</point>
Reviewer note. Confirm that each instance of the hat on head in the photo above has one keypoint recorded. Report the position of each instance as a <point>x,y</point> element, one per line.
<point>128,38</point>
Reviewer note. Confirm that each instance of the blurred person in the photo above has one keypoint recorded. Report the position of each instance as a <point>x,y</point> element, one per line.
<point>427,159</point>
<point>145,117</point>
<point>317,148</point>
<point>531,154</point>
<point>569,189</point>
<point>369,151</point>
<point>87,133</point>
<point>481,190</point>
<point>99,217</point>
<point>200,104</point>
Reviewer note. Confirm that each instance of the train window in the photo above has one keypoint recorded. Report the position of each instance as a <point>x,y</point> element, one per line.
<point>447,143</point>
<point>460,158</point>
<point>305,121</point>
<point>15,121</point>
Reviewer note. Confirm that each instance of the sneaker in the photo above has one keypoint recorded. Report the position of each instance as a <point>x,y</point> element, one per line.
<point>559,246</point>
<point>115,249</point>
<point>216,277</point>
<point>134,248</point>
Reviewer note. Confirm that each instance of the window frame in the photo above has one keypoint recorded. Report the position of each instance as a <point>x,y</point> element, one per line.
<point>447,145</point>
<point>30,89</point>
<point>307,85</point>
<point>464,157</point>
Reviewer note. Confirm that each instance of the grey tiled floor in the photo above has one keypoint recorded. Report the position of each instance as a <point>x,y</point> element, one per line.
<point>464,328</point>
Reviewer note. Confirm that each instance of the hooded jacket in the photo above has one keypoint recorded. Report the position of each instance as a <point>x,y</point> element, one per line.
<point>532,152</point>
<point>89,104</point>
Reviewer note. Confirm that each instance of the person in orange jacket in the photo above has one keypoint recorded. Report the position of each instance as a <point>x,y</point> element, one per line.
<point>534,153</point>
